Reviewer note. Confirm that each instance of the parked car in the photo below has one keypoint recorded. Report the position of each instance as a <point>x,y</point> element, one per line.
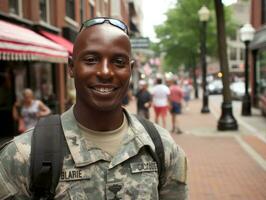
<point>237,90</point>
<point>215,86</point>
<point>262,103</point>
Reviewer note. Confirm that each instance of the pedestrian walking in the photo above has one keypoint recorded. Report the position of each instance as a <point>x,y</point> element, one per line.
<point>128,97</point>
<point>109,154</point>
<point>28,111</point>
<point>187,88</point>
<point>144,100</point>
<point>175,99</point>
<point>160,93</point>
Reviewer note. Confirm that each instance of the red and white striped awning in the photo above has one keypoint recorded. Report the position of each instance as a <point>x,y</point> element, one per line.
<point>22,44</point>
<point>59,40</point>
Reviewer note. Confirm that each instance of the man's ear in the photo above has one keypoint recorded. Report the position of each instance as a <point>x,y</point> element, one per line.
<point>70,66</point>
<point>132,64</point>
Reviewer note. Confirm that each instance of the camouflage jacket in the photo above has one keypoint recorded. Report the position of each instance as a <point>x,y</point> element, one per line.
<point>90,173</point>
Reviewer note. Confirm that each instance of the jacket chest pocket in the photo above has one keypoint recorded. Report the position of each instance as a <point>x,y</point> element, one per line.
<point>71,190</point>
<point>142,182</point>
<point>138,186</point>
<point>77,192</point>
<point>84,190</point>
<point>80,184</point>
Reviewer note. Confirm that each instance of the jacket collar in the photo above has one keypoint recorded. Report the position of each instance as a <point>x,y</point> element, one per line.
<point>85,153</point>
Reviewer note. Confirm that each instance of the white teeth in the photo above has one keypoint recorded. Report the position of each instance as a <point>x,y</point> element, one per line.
<point>104,90</point>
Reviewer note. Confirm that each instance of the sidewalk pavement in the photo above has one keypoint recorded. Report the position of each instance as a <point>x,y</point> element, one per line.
<point>227,165</point>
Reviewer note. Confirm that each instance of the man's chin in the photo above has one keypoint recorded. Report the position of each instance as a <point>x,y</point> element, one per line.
<point>107,107</point>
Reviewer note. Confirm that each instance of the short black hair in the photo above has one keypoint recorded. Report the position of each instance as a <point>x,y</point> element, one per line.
<point>159,80</point>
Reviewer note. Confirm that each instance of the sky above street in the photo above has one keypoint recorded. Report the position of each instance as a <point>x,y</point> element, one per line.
<point>154,14</point>
<point>153,11</point>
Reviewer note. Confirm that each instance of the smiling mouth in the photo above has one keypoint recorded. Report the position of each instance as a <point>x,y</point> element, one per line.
<point>103,90</point>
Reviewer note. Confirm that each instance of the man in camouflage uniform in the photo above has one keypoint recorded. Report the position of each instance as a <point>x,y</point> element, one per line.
<point>101,68</point>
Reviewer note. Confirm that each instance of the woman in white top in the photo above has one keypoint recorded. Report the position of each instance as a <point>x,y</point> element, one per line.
<point>29,110</point>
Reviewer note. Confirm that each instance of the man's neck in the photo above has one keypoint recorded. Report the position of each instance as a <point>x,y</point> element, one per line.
<point>99,120</point>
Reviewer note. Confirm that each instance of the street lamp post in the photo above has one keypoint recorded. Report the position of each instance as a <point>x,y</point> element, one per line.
<point>204,15</point>
<point>226,121</point>
<point>246,35</point>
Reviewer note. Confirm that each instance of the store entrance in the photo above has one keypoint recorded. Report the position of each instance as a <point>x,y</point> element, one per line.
<point>7,98</point>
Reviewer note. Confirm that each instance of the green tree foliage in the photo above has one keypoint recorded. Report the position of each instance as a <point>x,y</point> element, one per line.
<point>179,35</point>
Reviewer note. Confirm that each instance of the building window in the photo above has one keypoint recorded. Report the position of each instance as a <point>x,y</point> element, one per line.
<point>102,7</point>
<point>115,9</point>
<point>233,36</point>
<point>70,9</point>
<point>263,11</point>
<point>106,9</point>
<point>235,66</point>
<point>232,53</point>
<point>98,5</point>
<point>44,10</point>
<point>92,10</point>
<point>15,7</point>
<point>242,54</point>
<point>81,10</point>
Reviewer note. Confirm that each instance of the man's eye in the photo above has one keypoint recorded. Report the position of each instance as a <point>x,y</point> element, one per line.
<point>91,60</point>
<point>120,62</point>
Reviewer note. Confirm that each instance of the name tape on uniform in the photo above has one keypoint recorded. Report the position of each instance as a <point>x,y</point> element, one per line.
<point>143,167</point>
<point>73,175</point>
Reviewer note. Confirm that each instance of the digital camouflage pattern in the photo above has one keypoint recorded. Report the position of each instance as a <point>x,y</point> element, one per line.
<point>90,173</point>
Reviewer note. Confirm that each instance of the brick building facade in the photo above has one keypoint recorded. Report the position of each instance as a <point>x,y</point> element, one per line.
<point>59,22</point>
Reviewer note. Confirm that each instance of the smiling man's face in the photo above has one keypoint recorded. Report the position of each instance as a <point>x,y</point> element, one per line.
<point>101,67</point>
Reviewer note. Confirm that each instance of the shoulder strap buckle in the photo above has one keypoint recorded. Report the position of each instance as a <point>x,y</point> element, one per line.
<point>46,158</point>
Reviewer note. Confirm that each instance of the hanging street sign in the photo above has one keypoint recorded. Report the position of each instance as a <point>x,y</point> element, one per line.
<point>140,43</point>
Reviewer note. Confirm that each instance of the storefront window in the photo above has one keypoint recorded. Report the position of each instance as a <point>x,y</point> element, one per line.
<point>263,12</point>
<point>5,87</point>
<point>41,83</point>
<point>262,72</point>
<point>20,72</point>
<point>7,99</point>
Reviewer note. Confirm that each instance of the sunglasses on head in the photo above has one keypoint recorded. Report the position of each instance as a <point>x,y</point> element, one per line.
<point>115,22</point>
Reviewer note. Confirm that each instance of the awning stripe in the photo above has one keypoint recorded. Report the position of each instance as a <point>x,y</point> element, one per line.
<point>37,45</point>
<point>5,46</point>
<point>19,43</point>
<point>59,40</point>
<point>31,57</point>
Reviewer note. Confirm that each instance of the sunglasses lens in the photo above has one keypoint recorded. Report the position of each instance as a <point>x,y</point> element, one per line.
<point>95,21</point>
<point>118,24</point>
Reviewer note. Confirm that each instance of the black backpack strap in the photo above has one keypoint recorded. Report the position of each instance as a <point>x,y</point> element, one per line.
<point>46,157</point>
<point>158,156</point>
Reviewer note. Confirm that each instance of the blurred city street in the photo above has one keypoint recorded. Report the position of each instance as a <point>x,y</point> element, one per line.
<point>215,49</point>
<point>222,165</point>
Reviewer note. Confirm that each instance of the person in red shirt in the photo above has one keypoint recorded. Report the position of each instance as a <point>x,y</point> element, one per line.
<point>175,102</point>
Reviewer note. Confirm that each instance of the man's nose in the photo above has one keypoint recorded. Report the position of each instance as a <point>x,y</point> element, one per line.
<point>105,69</point>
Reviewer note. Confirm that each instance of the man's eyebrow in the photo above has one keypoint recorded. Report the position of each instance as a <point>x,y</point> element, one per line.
<point>122,55</point>
<point>88,52</point>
